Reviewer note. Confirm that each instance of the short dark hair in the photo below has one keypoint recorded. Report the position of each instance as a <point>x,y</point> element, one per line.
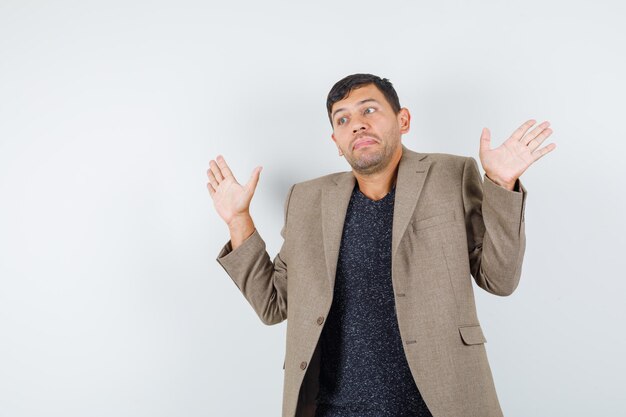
<point>343,87</point>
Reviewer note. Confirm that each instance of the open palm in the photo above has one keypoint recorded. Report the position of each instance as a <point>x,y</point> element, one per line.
<point>230,198</point>
<point>507,162</point>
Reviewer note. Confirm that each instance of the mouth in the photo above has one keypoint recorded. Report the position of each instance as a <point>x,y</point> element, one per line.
<point>363,141</point>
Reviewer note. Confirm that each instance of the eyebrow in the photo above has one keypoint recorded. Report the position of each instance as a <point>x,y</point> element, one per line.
<point>358,104</point>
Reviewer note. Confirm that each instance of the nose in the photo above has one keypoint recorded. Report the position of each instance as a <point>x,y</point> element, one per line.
<point>358,124</point>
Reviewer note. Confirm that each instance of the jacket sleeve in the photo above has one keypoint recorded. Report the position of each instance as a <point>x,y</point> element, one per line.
<point>494,219</point>
<point>262,281</point>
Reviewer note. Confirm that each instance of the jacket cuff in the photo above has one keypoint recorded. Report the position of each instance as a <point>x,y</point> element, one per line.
<point>231,259</point>
<point>505,201</point>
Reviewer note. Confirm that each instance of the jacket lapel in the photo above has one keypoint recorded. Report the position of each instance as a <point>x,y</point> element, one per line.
<point>335,200</point>
<point>412,172</point>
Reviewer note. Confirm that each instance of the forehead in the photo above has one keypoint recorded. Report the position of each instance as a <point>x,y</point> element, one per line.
<point>359,94</point>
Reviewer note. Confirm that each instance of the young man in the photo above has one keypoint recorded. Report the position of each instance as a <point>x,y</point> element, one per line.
<point>374,275</point>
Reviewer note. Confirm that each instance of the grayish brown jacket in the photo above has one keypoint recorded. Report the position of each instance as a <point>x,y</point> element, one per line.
<point>448,225</point>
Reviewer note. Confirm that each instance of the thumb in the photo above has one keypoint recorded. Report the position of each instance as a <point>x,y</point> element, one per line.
<point>485,140</point>
<point>254,179</point>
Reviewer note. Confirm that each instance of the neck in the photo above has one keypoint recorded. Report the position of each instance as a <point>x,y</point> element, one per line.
<point>377,185</point>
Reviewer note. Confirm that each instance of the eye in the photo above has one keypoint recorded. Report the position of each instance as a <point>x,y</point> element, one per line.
<point>370,108</point>
<point>341,120</point>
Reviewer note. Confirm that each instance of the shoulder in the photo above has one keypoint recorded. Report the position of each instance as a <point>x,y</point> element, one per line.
<point>315,184</point>
<point>445,158</point>
<point>305,197</point>
<point>439,161</point>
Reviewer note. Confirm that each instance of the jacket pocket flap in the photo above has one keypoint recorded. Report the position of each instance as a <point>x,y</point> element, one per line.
<point>446,217</point>
<point>472,335</point>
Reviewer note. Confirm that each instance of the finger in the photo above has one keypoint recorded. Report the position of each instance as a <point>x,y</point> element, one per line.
<point>485,140</point>
<point>254,179</point>
<point>543,151</point>
<point>216,171</point>
<point>535,132</point>
<point>212,180</point>
<point>534,143</point>
<point>211,189</point>
<point>521,131</point>
<point>221,163</point>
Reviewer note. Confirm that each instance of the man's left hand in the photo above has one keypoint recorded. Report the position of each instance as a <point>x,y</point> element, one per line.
<point>506,163</point>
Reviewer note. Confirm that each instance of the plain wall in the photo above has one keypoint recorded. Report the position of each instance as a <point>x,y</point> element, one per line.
<point>111,301</point>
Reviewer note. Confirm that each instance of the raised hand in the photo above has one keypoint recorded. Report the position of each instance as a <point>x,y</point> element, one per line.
<point>506,163</point>
<point>231,199</point>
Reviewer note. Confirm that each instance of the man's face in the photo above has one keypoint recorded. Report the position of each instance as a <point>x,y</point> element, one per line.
<point>366,130</point>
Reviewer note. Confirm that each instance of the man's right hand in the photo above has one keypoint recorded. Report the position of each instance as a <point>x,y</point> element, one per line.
<point>231,199</point>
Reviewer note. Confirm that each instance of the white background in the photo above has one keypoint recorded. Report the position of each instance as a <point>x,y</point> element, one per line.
<point>111,301</point>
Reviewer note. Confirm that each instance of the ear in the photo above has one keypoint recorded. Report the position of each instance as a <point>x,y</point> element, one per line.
<point>404,120</point>
<point>335,140</point>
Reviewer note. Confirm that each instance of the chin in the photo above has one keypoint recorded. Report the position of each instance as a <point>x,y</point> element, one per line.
<point>369,165</point>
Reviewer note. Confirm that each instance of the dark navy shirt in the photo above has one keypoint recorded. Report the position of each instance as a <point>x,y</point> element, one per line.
<point>364,371</point>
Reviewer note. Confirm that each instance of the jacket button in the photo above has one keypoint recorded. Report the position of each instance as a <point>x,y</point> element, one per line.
<point>320,320</point>
<point>303,366</point>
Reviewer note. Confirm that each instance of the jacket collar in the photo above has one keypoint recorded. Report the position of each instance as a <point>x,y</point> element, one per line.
<point>412,172</point>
